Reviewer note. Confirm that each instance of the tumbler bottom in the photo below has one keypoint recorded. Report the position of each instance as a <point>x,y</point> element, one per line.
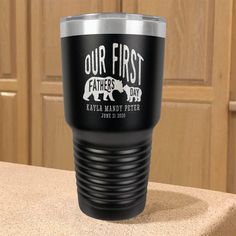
<point>110,214</point>
<point>112,173</point>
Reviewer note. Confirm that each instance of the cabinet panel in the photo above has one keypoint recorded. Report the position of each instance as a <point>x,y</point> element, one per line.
<point>57,138</point>
<point>7,36</point>
<point>8,127</point>
<point>50,20</point>
<point>189,38</point>
<point>231,187</point>
<point>181,145</point>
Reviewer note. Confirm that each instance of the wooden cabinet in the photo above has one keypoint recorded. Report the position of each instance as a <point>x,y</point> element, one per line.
<point>14,83</point>
<point>191,140</point>
<point>51,136</point>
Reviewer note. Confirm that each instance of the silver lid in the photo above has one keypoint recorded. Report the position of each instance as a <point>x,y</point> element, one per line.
<point>112,23</point>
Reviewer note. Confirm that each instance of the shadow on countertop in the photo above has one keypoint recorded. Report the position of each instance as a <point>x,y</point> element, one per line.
<point>163,206</point>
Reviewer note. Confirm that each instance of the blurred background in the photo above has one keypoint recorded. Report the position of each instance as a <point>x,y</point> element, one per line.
<point>194,143</point>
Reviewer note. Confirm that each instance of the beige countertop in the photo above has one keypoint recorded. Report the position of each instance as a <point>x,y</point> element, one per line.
<point>42,201</point>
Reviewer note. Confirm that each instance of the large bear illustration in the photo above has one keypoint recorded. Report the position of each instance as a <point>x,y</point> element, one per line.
<point>101,85</point>
<point>133,93</point>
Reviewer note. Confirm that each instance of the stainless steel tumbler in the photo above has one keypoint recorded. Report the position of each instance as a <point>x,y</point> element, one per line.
<point>112,80</point>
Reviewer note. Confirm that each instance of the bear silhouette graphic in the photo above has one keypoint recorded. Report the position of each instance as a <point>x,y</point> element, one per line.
<point>133,93</point>
<point>101,85</point>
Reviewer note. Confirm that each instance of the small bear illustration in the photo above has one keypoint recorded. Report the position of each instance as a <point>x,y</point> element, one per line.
<point>133,93</point>
<point>101,85</point>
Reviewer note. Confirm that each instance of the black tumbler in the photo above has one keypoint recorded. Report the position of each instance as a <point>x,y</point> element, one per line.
<point>112,80</point>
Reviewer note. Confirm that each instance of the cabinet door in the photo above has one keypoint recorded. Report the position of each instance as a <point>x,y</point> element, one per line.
<point>14,116</point>
<point>190,141</point>
<point>51,136</point>
<point>231,186</point>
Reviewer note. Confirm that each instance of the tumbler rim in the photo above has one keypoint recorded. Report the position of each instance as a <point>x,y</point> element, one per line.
<point>112,23</point>
<point>111,15</point>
